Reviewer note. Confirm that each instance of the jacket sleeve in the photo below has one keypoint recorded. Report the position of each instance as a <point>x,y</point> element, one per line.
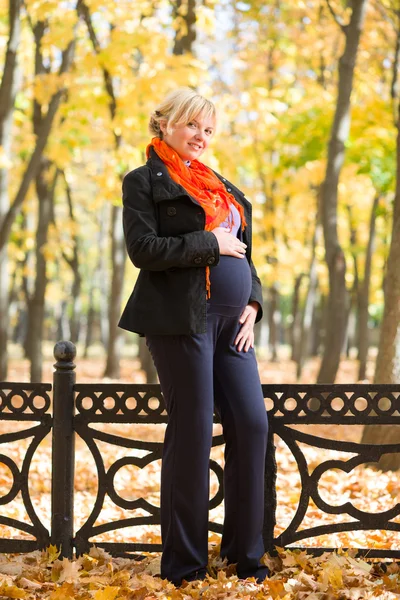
<point>146,249</point>
<point>256,291</point>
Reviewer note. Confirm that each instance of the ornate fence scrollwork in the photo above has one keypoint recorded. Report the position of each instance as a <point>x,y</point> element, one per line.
<point>82,408</point>
<point>118,404</point>
<point>29,403</point>
<point>356,404</point>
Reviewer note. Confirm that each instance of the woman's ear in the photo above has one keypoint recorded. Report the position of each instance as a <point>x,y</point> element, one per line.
<point>163,125</point>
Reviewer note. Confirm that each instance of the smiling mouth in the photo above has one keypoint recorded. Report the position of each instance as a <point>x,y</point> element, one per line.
<point>195,146</point>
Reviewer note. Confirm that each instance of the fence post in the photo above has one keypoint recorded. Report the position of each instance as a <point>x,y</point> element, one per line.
<point>63,454</point>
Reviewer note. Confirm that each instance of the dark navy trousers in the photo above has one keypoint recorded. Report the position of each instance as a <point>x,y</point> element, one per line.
<point>198,373</point>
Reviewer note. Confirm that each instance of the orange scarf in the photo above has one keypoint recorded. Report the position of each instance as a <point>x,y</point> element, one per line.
<point>201,183</point>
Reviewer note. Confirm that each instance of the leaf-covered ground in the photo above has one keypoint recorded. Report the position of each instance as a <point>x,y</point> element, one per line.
<point>295,575</point>
<point>97,576</point>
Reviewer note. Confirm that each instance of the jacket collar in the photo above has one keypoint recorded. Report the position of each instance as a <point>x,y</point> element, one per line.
<point>164,188</point>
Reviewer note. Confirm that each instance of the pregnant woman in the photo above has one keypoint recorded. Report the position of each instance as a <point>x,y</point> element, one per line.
<point>196,300</point>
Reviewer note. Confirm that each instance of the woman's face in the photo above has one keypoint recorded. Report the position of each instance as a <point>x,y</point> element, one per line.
<point>190,141</point>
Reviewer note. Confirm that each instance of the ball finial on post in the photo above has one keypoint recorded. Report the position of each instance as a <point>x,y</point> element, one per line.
<point>64,353</point>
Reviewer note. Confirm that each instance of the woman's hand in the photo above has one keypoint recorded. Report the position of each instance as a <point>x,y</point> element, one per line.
<point>245,338</point>
<point>229,244</point>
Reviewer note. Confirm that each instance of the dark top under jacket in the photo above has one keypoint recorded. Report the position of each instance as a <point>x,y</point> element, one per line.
<point>166,240</point>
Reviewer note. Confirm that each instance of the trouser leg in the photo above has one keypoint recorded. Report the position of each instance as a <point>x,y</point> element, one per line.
<point>184,366</point>
<point>240,402</point>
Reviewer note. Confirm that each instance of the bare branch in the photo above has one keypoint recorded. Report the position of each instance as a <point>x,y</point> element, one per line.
<point>28,16</point>
<point>108,82</point>
<point>387,13</point>
<point>336,17</point>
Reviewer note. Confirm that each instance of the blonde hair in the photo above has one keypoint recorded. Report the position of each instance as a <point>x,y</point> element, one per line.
<point>179,108</point>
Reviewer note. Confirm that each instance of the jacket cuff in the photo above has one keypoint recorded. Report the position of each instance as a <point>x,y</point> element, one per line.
<point>260,311</point>
<point>208,257</point>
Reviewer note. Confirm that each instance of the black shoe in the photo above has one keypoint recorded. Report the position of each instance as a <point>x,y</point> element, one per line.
<point>260,574</point>
<point>196,576</point>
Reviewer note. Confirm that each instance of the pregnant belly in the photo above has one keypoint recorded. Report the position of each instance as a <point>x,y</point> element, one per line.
<point>230,283</point>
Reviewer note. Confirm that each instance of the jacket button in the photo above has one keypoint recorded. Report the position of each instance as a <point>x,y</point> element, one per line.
<point>159,174</point>
<point>223,179</point>
<point>197,260</point>
<point>171,211</point>
<point>210,260</point>
<point>229,189</point>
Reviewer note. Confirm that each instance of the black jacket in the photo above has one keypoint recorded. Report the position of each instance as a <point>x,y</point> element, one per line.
<point>166,240</point>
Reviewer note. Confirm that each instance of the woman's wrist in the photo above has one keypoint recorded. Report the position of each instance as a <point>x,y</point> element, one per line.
<point>256,305</point>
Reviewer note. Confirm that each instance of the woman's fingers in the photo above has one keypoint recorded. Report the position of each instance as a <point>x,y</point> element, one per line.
<point>245,314</point>
<point>245,338</point>
<point>229,244</point>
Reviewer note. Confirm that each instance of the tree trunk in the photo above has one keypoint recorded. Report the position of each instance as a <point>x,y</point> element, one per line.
<point>352,326</point>
<point>295,329</point>
<point>102,277</point>
<point>63,331</point>
<point>118,257</point>
<point>73,262</point>
<point>104,302</point>
<point>335,259</point>
<point>4,316</point>
<point>36,308</point>
<point>146,362</point>
<point>8,92</point>
<point>75,319</point>
<point>257,334</point>
<point>21,326</point>
<point>309,305</point>
<point>363,296</point>
<point>184,15</point>
<point>27,279</point>
<point>351,329</point>
<point>317,327</point>
<point>274,318</point>
<point>89,322</point>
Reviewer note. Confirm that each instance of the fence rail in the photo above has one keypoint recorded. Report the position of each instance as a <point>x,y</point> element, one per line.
<point>77,410</point>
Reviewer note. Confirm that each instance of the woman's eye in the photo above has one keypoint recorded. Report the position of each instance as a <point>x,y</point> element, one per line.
<point>208,131</point>
<point>191,124</point>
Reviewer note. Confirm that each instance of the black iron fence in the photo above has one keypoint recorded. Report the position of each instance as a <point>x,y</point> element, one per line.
<point>78,409</point>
